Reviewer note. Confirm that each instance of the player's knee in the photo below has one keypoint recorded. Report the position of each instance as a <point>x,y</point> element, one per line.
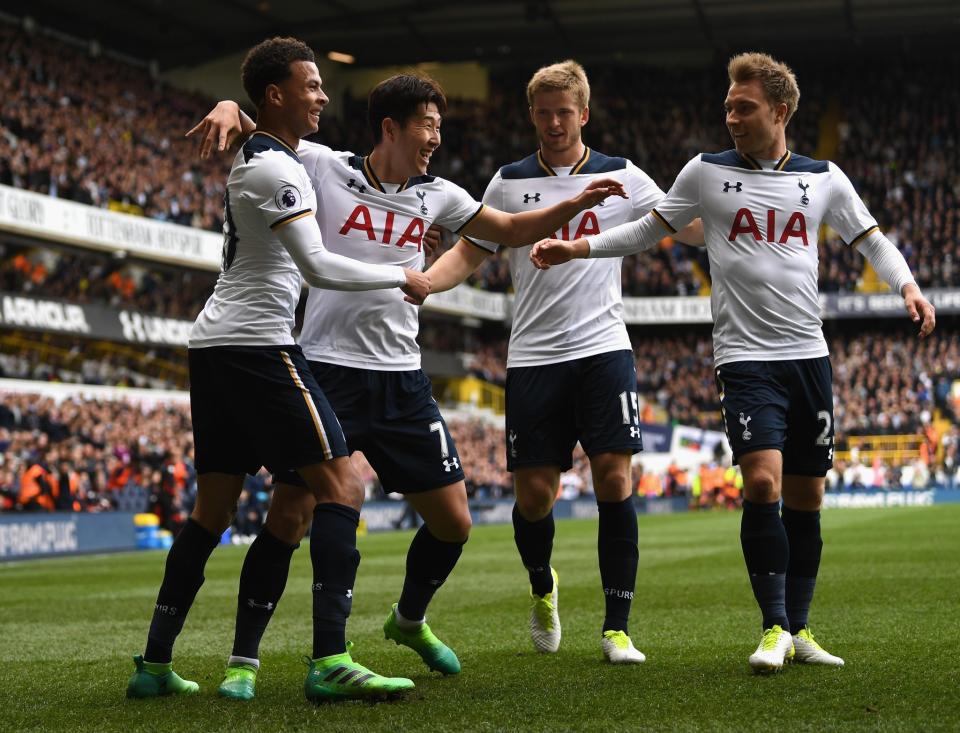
<point>614,485</point>
<point>459,529</point>
<point>288,525</point>
<point>761,487</point>
<point>214,519</point>
<point>347,490</point>
<point>535,503</point>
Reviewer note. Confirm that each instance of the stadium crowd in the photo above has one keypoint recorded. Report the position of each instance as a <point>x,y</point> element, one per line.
<point>62,135</point>
<point>93,277</point>
<point>79,126</point>
<point>885,383</point>
<point>74,362</point>
<point>904,159</point>
<point>85,455</point>
<point>117,143</point>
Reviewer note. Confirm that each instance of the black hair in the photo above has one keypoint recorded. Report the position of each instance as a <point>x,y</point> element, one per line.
<point>399,97</point>
<point>269,63</point>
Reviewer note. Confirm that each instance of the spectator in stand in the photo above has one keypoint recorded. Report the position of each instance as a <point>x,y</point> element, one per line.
<point>91,277</point>
<point>83,455</point>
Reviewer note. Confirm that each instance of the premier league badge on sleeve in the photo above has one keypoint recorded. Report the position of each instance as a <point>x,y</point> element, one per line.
<point>288,197</point>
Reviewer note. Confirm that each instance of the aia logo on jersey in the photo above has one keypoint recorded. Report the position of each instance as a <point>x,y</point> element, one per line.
<point>287,197</point>
<point>587,225</point>
<point>361,219</point>
<point>745,223</point>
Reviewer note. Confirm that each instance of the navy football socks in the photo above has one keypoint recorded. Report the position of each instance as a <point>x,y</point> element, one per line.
<point>333,551</point>
<point>618,555</point>
<point>535,543</point>
<point>766,552</point>
<point>429,562</point>
<point>182,578</point>
<point>262,580</point>
<point>806,546</point>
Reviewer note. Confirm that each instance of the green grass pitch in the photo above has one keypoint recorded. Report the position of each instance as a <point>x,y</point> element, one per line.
<point>888,602</point>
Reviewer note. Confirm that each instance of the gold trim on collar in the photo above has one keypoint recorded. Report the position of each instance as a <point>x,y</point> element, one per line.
<point>543,164</point>
<point>582,162</point>
<point>781,164</point>
<point>371,176</point>
<point>751,161</point>
<point>274,137</point>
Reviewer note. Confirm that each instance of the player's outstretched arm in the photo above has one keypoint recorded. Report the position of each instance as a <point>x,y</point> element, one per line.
<point>919,309</point>
<point>626,239</point>
<point>455,265</point>
<point>324,269</point>
<point>519,230</point>
<point>224,126</point>
<point>549,252</point>
<point>891,266</point>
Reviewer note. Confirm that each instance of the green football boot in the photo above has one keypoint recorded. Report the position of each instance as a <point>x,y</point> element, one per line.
<point>152,679</point>
<point>239,682</point>
<point>434,653</point>
<point>338,677</point>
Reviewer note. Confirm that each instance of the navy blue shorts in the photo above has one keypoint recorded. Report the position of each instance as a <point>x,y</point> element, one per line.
<point>256,406</point>
<point>551,407</point>
<point>392,418</point>
<point>783,405</point>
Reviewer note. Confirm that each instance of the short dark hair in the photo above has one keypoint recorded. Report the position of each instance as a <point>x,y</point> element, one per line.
<point>399,97</point>
<point>269,63</point>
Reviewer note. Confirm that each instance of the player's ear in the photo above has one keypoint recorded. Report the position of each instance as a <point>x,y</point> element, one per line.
<point>272,95</point>
<point>388,129</point>
<point>584,116</point>
<point>780,112</point>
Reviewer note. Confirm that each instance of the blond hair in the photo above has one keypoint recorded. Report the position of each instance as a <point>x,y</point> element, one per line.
<point>777,79</point>
<point>566,76</point>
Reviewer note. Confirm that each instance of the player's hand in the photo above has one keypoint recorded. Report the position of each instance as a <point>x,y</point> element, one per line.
<point>221,127</point>
<point>432,240</point>
<point>599,190</point>
<point>548,252</point>
<point>919,309</point>
<point>417,287</point>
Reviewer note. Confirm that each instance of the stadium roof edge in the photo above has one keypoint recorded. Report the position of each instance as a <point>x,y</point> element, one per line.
<point>179,33</point>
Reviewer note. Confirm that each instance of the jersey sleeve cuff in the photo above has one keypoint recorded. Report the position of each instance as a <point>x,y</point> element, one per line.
<point>663,221</point>
<point>287,218</point>
<point>467,222</point>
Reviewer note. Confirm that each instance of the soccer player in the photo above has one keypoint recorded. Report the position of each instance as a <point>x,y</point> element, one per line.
<point>254,400</point>
<point>362,348</point>
<point>762,206</point>
<point>570,369</point>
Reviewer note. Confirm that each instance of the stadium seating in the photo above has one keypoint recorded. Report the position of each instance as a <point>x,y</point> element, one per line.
<point>65,136</point>
<point>100,132</point>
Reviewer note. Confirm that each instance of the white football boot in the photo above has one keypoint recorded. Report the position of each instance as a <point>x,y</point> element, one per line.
<point>810,652</point>
<point>545,619</point>
<point>776,648</point>
<point>618,649</point>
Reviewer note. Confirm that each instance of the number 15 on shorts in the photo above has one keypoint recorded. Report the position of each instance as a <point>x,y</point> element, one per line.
<point>630,408</point>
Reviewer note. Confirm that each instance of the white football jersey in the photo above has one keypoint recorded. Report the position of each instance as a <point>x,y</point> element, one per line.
<point>375,329</point>
<point>258,287</point>
<point>761,227</point>
<point>573,311</point>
